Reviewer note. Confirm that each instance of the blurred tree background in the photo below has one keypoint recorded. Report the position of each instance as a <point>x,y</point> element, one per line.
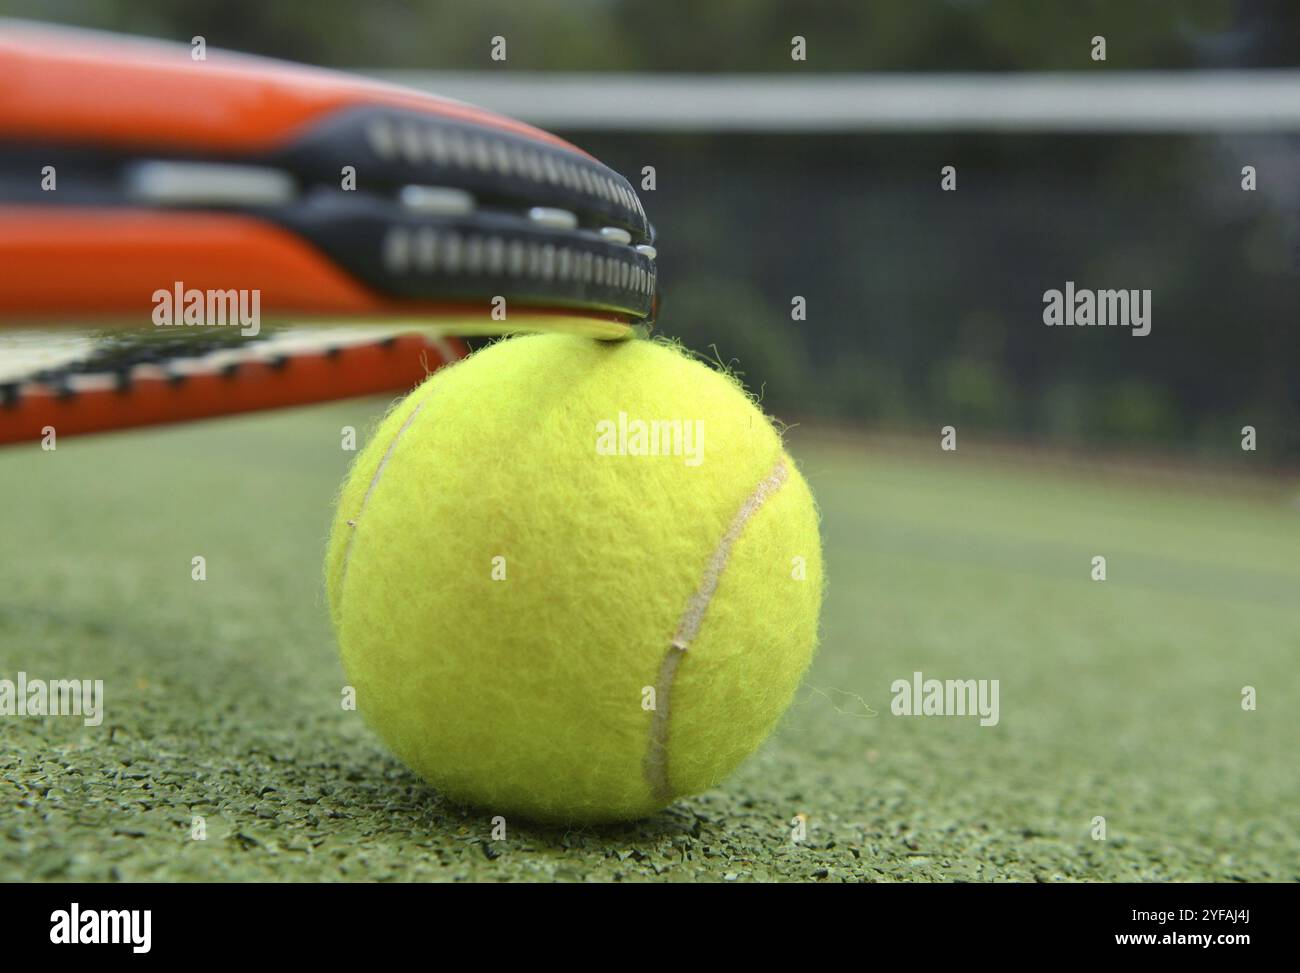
<point>712,36</point>
<point>924,307</point>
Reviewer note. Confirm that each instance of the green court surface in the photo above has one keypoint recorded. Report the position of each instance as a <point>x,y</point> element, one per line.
<point>1119,700</point>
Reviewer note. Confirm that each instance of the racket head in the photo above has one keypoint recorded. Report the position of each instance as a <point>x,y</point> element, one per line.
<point>131,167</point>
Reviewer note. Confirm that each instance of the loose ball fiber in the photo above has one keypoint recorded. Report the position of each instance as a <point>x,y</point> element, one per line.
<point>573,580</point>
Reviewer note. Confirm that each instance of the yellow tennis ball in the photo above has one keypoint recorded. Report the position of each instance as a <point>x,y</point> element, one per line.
<point>573,579</point>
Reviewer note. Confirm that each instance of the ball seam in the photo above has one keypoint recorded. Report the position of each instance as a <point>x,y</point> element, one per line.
<point>353,521</point>
<point>655,764</point>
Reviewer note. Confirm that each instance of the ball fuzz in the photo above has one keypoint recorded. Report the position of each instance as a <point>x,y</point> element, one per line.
<point>574,580</point>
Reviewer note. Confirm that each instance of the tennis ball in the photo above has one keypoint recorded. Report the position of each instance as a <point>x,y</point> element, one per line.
<point>574,579</point>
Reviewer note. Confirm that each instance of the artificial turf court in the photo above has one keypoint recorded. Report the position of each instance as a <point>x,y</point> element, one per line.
<point>1118,699</point>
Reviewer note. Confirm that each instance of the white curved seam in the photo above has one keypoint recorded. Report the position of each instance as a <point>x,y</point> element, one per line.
<point>688,627</point>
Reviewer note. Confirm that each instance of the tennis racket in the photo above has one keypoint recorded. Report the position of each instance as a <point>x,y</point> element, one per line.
<point>141,188</point>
